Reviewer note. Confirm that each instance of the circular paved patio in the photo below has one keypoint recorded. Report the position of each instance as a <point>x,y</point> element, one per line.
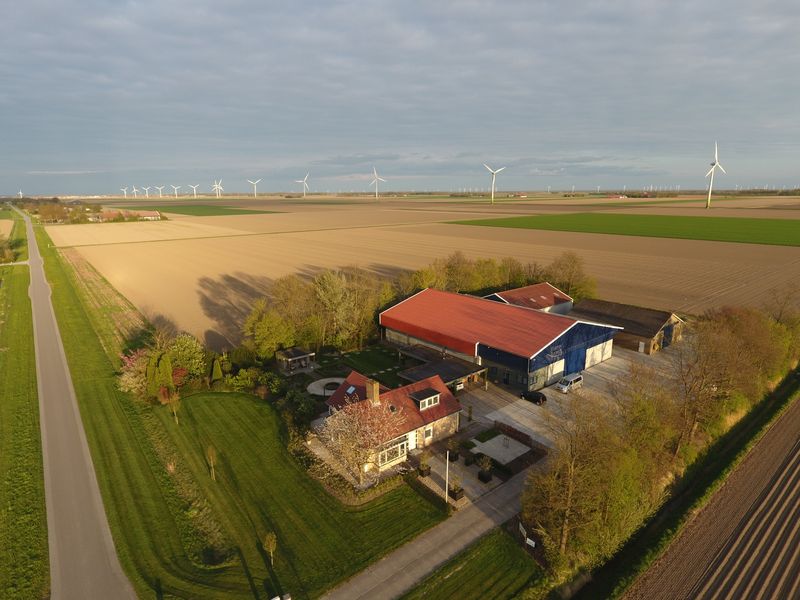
<point>317,388</point>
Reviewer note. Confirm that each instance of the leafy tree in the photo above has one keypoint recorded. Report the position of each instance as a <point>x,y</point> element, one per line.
<point>133,373</point>
<point>186,352</point>
<point>271,545</point>
<point>267,330</point>
<point>567,272</point>
<point>216,371</point>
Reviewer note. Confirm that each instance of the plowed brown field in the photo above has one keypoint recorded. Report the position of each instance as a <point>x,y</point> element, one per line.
<point>203,273</point>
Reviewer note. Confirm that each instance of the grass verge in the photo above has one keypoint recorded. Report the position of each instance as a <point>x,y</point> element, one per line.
<point>776,232</point>
<point>700,483</point>
<point>259,488</point>
<point>24,566</point>
<point>200,210</point>
<point>493,567</point>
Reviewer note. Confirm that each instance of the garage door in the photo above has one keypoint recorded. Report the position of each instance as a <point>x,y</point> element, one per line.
<point>599,353</point>
<point>576,360</point>
<point>555,371</point>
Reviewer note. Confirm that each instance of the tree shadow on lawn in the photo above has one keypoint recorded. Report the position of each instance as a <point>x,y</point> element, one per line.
<point>272,585</point>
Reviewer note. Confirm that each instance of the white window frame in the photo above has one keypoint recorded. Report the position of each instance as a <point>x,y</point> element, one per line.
<point>428,402</point>
<point>393,451</point>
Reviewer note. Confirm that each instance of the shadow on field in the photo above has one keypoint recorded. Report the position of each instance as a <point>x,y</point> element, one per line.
<point>272,585</point>
<point>247,573</point>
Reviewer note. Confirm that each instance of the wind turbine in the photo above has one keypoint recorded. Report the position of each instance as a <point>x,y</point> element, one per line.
<point>374,181</point>
<point>714,166</point>
<point>194,189</point>
<point>19,193</point>
<point>217,187</point>
<point>124,191</point>
<point>135,191</point>
<point>147,191</point>
<point>176,188</point>
<point>160,189</point>
<point>255,186</point>
<point>494,176</point>
<point>304,181</point>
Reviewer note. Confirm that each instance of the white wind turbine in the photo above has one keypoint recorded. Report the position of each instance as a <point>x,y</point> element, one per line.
<point>176,188</point>
<point>160,189</point>
<point>19,193</point>
<point>374,181</point>
<point>135,192</point>
<point>194,189</point>
<point>217,187</point>
<point>304,181</point>
<point>494,175</point>
<point>714,166</point>
<point>147,191</point>
<point>124,191</point>
<point>255,187</point>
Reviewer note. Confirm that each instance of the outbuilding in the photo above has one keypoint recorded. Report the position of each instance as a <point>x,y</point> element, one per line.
<point>541,296</point>
<point>521,347</point>
<point>645,330</point>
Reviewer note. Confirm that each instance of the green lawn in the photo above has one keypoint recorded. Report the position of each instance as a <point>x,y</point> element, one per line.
<point>199,210</point>
<point>24,569</point>
<point>260,487</point>
<point>5,213</point>
<point>378,362</point>
<point>494,567</point>
<point>777,232</point>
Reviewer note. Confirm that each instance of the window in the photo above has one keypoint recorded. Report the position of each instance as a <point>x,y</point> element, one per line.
<point>392,451</point>
<point>428,402</point>
<point>429,432</point>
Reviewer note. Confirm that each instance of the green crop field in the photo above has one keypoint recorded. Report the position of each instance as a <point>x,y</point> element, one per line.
<point>494,567</point>
<point>5,213</point>
<point>24,569</point>
<point>260,488</point>
<point>777,232</point>
<point>200,210</point>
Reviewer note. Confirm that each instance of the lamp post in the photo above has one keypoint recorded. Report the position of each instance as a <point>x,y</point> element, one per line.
<point>447,478</point>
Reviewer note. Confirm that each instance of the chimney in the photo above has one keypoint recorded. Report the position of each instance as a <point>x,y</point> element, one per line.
<point>373,392</point>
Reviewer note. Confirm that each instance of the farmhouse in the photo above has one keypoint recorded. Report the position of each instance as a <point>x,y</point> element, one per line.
<point>645,329</point>
<point>541,296</point>
<point>427,412</point>
<point>521,347</point>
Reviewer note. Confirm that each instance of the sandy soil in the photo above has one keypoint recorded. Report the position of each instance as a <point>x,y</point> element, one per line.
<point>5,227</point>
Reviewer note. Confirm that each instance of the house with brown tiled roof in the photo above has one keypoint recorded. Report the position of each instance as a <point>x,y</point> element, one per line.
<point>427,412</point>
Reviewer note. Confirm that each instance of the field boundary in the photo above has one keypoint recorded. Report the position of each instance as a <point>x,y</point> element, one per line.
<point>704,478</point>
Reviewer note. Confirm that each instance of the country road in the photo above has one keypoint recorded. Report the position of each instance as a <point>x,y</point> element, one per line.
<point>83,561</point>
<point>746,542</point>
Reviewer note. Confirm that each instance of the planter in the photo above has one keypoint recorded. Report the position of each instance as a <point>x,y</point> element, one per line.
<point>424,471</point>
<point>469,459</point>
<point>456,494</point>
<point>485,476</point>
<point>453,456</point>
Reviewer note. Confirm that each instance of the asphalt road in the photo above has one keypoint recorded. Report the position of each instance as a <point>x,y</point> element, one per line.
<point>746,542</point>
<point>83,561</point>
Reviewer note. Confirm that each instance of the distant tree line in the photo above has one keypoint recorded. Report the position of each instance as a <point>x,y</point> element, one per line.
<point>615,462</point>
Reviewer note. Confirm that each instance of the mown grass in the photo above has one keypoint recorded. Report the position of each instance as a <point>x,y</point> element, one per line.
<point>24,565</point>
<point>377,362</point>
<point>5,213</point>
<point>494,567</point>
<point>259,487</point>
<point>777,232</point>
<point>199,210</point>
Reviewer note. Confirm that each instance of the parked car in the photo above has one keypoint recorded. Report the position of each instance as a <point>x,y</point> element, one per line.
<point>535,397</point>
<point>569,383</point>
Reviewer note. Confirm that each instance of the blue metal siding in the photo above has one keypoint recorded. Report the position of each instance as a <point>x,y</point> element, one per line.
<point>501,357</point>
<point>570,345</point>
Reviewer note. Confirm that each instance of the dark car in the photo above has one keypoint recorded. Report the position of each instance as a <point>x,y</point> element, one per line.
<point>535,397</point>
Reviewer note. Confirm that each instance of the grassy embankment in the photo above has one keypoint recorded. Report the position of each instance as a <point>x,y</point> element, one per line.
<point>24,565</point>
<point>777,232</point>
<point>494,567</point>
<point>199,210</point>
<point>705,476</point>
<point>259,488</point>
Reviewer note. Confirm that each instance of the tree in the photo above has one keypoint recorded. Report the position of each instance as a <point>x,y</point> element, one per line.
<point>133,373</point>
<point>186,352</point>
<point>355,434</point>
<point>271,545</point>
<point>211,457</point>
<point>174,403</point>
<point>335,298</point>
<point>267,330</point>
<point>216,371</point>
<point>567,273</point>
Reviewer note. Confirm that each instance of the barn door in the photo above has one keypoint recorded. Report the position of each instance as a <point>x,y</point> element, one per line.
<point>667,339</point>
<point>576,361</point>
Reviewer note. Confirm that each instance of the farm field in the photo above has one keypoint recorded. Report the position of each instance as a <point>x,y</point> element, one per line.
<point>260,488</point>
<point>493,567</point>
<point>5,223</point>
<point>196,210</point>
<point>24,569</point>
<point>779,232</point>
<point>222,264</point>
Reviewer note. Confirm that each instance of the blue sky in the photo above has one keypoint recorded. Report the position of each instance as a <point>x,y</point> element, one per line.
<point>97,94</point>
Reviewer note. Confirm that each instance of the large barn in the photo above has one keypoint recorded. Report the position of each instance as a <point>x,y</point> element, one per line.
<point>521,347</point>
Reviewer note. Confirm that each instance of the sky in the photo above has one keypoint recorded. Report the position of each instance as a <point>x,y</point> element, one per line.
<point>98,95</point>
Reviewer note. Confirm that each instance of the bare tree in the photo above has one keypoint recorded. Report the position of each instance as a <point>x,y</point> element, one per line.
<point>174,401</point>
<point>270,545</point>
<point>356,433</point>
<point>211,457</point>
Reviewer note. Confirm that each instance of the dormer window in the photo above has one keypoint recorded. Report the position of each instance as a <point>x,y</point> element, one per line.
<point>425,398</point>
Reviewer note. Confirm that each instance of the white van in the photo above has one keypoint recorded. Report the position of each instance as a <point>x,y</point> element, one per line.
<point>569,382</point>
